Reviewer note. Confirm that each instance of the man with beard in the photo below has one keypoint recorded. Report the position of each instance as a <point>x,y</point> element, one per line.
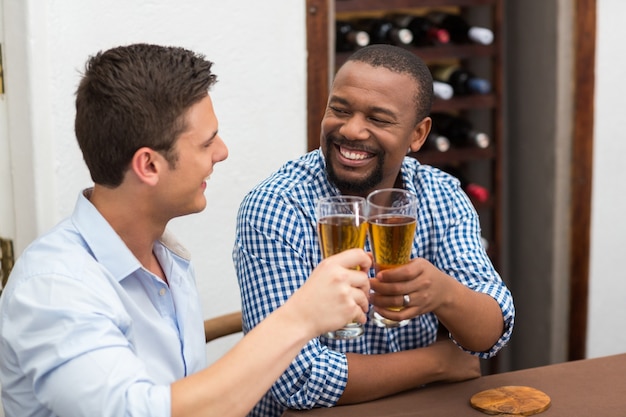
<point>377,110</point>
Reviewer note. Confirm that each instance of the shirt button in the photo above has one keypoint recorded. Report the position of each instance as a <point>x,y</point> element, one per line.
<point>162,292</point>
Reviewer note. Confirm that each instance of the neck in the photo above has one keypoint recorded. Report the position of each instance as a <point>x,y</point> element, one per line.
<point>132,218</point>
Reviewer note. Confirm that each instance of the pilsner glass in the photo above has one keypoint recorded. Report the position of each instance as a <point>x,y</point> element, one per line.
<point>341,225</point>
<point>392,219</point>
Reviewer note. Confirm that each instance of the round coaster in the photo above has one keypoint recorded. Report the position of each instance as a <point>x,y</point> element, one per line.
<point>512,400</point>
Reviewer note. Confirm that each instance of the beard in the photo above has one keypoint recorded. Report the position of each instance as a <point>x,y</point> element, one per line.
<point>352,187</point>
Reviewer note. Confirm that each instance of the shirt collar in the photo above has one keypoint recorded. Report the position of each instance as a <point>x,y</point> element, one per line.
<point>106,245</point>
<point>409,171</point>
<point>103,242</point>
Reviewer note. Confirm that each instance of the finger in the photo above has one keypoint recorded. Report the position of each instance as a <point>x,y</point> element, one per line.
<point>402,273</point>
<point>360,280</point>
<point>362,300</point>
<point>386,301</point>
<point>352,258</point>
<point>359,315</point>
<point>390,288</point>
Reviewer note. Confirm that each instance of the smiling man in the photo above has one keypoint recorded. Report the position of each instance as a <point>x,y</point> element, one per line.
<point>377,111</point>
<point>101,315</point>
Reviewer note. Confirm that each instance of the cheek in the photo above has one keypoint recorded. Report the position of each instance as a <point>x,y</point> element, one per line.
<point>327,127</point>
<point>396,151</point>
<point>329,124</point>
<point>324,127</point>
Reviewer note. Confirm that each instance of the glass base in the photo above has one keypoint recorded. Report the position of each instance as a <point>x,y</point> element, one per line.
<point>349,331</point>
<point>381,321</point>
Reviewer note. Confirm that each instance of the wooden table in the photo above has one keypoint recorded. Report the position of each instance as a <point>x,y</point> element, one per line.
<point>589,388</point>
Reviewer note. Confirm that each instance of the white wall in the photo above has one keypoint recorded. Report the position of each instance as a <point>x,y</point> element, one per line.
<point>607,291</point>
<point>259,50</point>
<point>7,228</point>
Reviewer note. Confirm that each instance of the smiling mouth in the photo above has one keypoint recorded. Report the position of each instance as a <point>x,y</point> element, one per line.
<point>354,155</point>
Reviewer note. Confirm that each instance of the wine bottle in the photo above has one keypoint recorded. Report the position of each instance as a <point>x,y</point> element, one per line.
<point>459,131</point>
<point>462,81</point>
<point>474,191</point>
<point>436,142</point>
<point>443,90</point>
<point>348,38</point>
<point>425,32</point>
<point>460,31</point>
<point>385,31</point>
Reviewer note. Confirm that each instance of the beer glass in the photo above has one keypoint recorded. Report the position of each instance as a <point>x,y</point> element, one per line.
<point>392,219</point>
<point>341,225</point>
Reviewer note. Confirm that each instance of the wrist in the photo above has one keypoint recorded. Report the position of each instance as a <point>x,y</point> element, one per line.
<point>298,323</point>
<point>451,293</point>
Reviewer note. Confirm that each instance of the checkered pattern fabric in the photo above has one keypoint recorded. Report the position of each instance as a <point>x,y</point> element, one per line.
<point>277,247</point>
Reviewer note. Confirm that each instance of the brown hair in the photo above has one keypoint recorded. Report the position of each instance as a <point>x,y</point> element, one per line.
<point>135,96</point>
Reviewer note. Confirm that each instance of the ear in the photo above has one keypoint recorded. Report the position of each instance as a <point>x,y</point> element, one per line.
<point>420,132</point>
<point>147,165</point>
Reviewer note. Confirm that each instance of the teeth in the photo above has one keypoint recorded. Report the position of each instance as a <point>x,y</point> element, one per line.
<point>353,155</point>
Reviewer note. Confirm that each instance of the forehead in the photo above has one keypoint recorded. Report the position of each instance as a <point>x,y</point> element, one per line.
<point>199,121</point>
<point>364,80</point>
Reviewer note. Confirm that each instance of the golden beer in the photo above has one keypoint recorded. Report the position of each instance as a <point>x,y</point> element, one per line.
<point>392,239</point>
<point>341,225</point>
<point>340,232</point>
<point>392,223</point>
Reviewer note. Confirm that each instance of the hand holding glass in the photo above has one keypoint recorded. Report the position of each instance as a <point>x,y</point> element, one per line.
<point>341,225</point>
<point>392,220</point>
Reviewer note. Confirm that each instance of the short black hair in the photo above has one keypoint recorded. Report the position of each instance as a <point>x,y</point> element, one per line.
<point>402,61</point>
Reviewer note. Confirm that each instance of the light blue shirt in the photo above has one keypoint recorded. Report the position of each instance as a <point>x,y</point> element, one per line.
<point>85,330</point>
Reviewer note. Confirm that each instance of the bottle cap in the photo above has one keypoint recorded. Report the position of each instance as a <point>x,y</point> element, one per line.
<point>405,36</point>
<point>481,140</point>
<point>479,85</point>
<point>441,36</point>
<point>361,38</point>
<point>442,90</point>
<point>480,35</point>
<point>442,143</point>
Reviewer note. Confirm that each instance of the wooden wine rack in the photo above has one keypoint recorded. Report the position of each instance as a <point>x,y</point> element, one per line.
<point>486,111</point>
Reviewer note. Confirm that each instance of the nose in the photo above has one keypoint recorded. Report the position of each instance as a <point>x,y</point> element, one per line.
<point>221,152</point>
<point>354,128</point>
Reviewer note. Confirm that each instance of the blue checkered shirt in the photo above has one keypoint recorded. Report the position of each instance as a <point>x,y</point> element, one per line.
<point>277,247</point>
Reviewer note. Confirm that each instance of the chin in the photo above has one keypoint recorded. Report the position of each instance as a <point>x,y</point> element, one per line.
<point>201,207</point>
<point>198,206</point>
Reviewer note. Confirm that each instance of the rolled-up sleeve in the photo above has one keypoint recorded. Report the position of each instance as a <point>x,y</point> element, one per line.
<point>460,254</point>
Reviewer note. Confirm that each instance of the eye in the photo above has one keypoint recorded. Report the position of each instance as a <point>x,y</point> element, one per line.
<point>210,140</point>
<point>207,143</point>
<point>379,121</point>
<point>338,110</point>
